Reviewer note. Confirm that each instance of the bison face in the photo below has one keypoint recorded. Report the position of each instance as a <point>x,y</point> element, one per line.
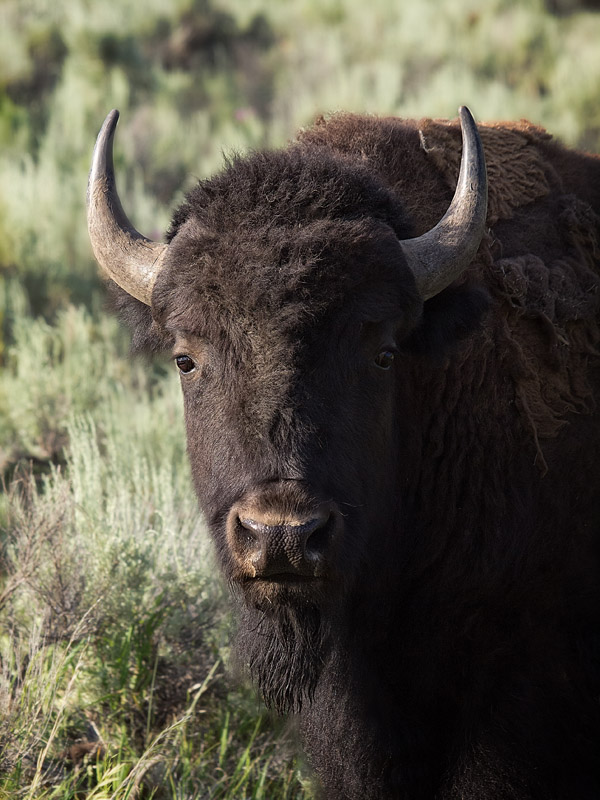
<point>291,398</point>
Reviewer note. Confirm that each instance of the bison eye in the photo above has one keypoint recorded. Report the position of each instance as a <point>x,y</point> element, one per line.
<point>185,364</point>
<point>385,359</point>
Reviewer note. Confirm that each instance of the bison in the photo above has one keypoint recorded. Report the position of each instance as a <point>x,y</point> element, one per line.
<point>394,438</point>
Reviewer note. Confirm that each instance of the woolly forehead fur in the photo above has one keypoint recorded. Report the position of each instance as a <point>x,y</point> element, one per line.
<point>285,236</point>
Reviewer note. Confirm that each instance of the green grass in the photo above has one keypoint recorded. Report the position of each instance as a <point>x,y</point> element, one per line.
<point>113,614</point>
<point>111,611</point>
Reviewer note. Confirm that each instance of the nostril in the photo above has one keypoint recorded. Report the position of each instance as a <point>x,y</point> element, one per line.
<point>249,537</point>
<point>319,538</point>
<point>248,532</point>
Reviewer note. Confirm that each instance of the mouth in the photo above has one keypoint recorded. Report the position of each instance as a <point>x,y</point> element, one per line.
<point>282,589</point>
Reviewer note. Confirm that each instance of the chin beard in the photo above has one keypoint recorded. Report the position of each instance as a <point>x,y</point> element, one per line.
<point>283,651</point>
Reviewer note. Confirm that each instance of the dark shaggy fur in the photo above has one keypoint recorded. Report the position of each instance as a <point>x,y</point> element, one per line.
<point>453,651</point>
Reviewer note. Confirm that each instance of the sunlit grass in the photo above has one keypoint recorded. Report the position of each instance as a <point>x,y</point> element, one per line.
<point>112,614</point>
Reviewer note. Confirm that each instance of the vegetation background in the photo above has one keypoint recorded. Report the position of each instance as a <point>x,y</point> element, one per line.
<point>115,677</point>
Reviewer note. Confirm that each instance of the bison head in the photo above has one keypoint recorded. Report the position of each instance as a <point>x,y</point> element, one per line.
<point>288,289</point>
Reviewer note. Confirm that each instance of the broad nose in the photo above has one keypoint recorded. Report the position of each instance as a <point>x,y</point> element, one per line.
<point>272,543</point>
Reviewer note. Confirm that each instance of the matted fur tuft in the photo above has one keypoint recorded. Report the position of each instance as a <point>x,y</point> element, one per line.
<point>283,652</point>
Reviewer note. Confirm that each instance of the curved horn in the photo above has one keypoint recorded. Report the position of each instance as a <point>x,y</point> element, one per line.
<point>131,260</point>
<point>439,256</point>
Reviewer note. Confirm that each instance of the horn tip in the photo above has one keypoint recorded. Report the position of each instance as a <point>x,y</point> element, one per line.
<point>102,156</point>
<point>110,123</point>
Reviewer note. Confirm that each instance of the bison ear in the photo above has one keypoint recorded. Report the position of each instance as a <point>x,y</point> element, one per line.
<point>146,336</point>
<point>448,317</point>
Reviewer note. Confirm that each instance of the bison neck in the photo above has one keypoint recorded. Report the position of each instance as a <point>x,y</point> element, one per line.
<point>442,697</point>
